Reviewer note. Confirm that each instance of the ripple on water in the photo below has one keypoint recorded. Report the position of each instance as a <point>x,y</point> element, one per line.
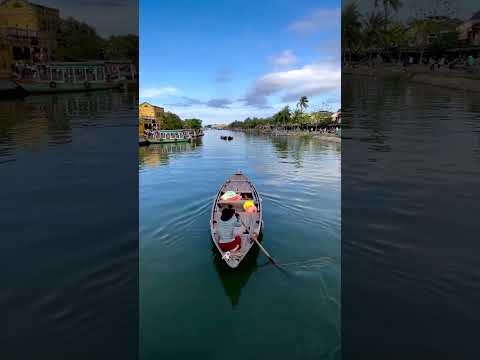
<point>299,181</point>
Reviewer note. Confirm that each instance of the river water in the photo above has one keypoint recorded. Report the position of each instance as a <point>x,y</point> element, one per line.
<point>69,226</point>
<point>191,305</point>
<point>410,205</point>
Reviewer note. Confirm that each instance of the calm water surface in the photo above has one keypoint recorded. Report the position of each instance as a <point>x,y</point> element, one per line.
<point>69,227</point>
<point>191,306</point>
<point>410,229</point>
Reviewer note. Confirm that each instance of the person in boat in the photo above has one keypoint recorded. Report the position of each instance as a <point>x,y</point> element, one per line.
<point>229,230</point>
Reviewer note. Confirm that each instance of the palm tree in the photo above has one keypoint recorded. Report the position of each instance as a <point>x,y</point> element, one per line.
<point>394,4</point>
<point>285,115</point>
<point>372,33</point>
<point>302,103</point>
<point>421,30</point>
<point>351,27</point>
<point>397,36</point>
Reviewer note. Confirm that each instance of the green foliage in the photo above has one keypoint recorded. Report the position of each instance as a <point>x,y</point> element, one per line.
<point>122,47</point>
<point>285,117</point>
<point>251,123</point>
<point>351,28</point>
<point>378,32</point>
<point>192,124</point>
<point>321,117</point>
<point>302,103</point>
<point>78,41</point>
<point>171,121</point>
<point>444,40</point>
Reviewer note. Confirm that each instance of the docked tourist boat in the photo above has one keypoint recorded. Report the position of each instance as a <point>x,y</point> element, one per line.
<point>166,136</point>
<point>193,133</point>
<point>67,76</point>
<point>252,222</point>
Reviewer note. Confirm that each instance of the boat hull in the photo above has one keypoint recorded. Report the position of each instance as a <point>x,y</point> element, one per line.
<point>252,223</point>
<point>166,141</point>
<point>48,87</point>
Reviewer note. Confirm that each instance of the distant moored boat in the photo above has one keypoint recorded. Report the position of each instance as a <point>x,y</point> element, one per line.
<point>66,77</point>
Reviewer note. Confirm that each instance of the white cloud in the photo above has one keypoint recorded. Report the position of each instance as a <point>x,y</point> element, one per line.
<point>156,92</point>
<point>286,58</point>
<point>320,78</point>
<point>319,19</point>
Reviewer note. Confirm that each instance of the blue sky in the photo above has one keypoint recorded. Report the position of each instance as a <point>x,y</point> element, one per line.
<point>222,61</point>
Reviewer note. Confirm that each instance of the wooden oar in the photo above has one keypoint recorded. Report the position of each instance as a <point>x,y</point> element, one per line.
<point>265,252</point>
<point>254,238</point>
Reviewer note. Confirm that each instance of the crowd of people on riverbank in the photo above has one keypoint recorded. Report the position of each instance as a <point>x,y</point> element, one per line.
<point>308,130</point>
<point>461,62</point>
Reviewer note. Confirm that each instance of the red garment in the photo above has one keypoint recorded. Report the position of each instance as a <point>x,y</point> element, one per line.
<point>232,244</point>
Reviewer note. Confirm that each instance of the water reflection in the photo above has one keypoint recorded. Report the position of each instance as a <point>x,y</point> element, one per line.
<point>159,154</point>
<point>233,281</point>
<point>36,121</point>
<point>298,147</point>
<point>410,171</point>
<point>69,165</point>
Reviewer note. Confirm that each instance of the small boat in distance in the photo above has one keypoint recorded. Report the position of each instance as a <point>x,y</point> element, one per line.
<point>66,77</point>
<point>252,222</point>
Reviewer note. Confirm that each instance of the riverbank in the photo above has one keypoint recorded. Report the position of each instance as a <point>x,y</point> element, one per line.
<point>452,79</point>
<point>311,135</point>
<point>317,135</point>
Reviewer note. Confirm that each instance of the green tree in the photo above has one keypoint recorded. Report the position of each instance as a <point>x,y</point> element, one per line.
<point>322,117</point>
<point>171,121</point>
<point>420,31</point>
<point>78,41</point>
<point>302,103</point>
<point>296,116</point>
<point>122,47</point>
<point>351,30</point>
<point>397,35</point>
<point>372,33</point>
<point>394,4</point>
<point>283,117</point>
<point>192,124</point>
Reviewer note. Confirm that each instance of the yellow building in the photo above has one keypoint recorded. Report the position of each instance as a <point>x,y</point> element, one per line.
<point>150,116</point>
<point>28,32</point>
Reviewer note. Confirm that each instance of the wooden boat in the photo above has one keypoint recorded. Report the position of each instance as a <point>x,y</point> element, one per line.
<point>66,77</point>
<point>252,222</point>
